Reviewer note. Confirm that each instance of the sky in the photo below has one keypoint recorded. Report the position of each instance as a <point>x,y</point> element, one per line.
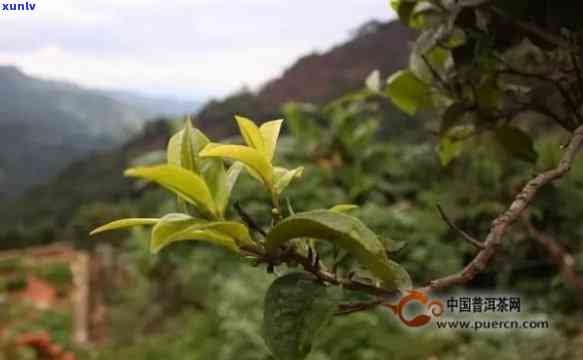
<point>192,49</point>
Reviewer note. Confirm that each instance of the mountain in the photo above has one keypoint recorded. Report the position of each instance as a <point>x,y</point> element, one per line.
<point>45,125</point>
<point>315,78</point>
<point>156,106</point>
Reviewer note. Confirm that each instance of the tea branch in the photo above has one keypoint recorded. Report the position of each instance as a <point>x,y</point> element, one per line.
<point>559,255</point>
<point>464,234</point>
<point>500,225</point>
<point>291,257</point>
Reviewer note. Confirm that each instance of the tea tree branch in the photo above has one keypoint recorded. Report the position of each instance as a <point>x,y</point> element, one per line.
<point>290,257</point>
<point>248,219</point>
<point>501,224</point>
<point>464,234</point>
<point>564,260</point>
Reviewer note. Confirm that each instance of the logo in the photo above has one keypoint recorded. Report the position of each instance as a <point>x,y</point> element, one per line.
<point>473,312</point>
<point>24,6</point>
<point>433,308</point>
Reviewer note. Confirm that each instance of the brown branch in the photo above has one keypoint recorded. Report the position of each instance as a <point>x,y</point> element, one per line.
<point>464,234</point>
<point>289,256</point>
<point>502,222</point>
<point>332,279</point>
<point>247,219</point>
<point>558,254</point>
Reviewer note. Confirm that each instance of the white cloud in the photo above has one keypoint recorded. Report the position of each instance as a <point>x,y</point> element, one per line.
<point>180,46</point>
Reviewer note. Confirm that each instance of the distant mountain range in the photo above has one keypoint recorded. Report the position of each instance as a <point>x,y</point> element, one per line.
<point>156,106</point>
<point>45,125</point>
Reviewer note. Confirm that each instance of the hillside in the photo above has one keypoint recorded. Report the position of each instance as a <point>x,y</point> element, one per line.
<point>44,125</point>
<point>317,78</point>
<point>314,78</point>
<point>48,124</point>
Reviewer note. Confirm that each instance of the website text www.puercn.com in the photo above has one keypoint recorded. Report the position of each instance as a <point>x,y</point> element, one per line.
<point>478,325</point>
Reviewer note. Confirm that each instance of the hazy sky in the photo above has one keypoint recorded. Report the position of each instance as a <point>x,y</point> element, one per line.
<point>189,48</point>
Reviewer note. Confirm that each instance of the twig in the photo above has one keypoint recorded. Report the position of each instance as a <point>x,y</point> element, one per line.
<point>502,222</point>
<point>290,256</point>
<point>559,255</point>
<point>464,234</point>
<point>248,219</point>
<point>435,74</point>
<point>331,278</point>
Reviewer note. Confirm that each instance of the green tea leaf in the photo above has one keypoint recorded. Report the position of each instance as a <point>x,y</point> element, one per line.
<point>518,143</point>
<point>408,93</point>
<point>231,177</point>
<point>184,146</point>
<point>179,227</point>
<point>283,177</point>
<point>297,309</point>
<point>403,8</point>
<point>425,14</point>
<point>125,223</point>
<point>348,233</point>
<point>449,149</point>
<point>215,176</point>
<point>251,134</point>
<point>270,132</point>
<point>186,184</point>
<point>247,155</point>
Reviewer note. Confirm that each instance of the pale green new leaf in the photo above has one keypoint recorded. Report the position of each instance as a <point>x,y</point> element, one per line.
<point>270,133</point>
<point>283,177</point>
<point>231,178</point>
<point>184,146</point>
<point>237,231</point>
<point>183,149</point>
<point>296,309</point>
<point>251,134</point>
<point>233,175</point>
<point>348,233</point>
<point>179,227</point>
<point>408,93</point>
<point>125,223</point>
<point>449,149</point>
<point>342,208</point>
<point>247,155</point>
<point>186,184</point>
<point>215,176</point>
